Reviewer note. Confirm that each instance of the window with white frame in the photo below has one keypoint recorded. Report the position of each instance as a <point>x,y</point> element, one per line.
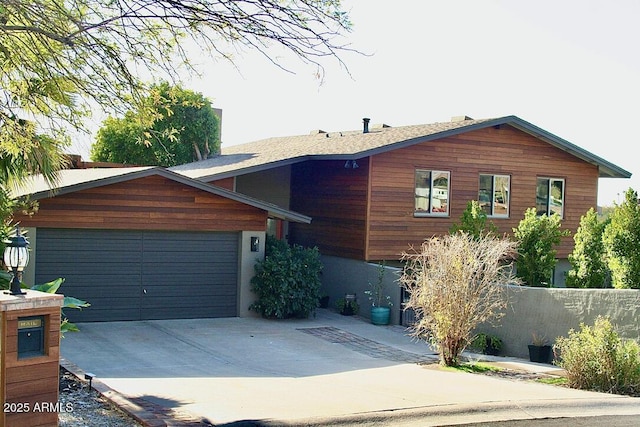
<point>550,196</point>
<point>493,194</point>
<point>431,192</point>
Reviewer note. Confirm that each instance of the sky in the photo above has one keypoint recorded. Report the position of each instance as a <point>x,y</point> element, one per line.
<point>569,67</point>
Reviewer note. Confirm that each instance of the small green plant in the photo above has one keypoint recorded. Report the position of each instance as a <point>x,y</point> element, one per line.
<point>596,358</point>
<point>560,381</point>
<point>537,236</point>
<point>375,291</point>
<point>69,302</point>
<point>474,222</point>
<point>51,288</point>
<point>473,368</point>
<point>539,340</point>
<point>347,307</point>
<point>486,344</point>
<point>287,281</point>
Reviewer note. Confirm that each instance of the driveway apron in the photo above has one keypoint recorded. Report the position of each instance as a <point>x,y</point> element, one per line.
<point>328,367</point>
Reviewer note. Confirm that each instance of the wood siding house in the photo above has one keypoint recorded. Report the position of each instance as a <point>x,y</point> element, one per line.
<point>369,213</point>
<point>374,192</point>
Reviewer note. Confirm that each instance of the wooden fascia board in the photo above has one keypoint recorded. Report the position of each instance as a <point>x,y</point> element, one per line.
<point>127,176</point>
<point>606,169</point>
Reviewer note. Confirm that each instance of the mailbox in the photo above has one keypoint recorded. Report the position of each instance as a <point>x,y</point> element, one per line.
<point>31,336</point>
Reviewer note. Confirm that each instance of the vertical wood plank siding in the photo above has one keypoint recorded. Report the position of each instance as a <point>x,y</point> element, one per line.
<point>336,198</point>
<point>150,203</point>
<point>392,225</point>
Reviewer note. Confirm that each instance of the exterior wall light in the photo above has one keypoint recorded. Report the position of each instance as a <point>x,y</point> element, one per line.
<point>16,258</point>
<point>255,244</point>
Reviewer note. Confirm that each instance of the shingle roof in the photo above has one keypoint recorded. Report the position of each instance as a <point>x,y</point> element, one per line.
<point>272,152</point>
<point>72,180</point>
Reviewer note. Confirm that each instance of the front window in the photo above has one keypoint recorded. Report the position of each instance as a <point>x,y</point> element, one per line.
<point>493,194</point>
<point>550,196</point>
<point>432,192</point>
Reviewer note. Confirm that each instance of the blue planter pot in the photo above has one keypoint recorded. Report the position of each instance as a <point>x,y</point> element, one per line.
<point>380,315</point>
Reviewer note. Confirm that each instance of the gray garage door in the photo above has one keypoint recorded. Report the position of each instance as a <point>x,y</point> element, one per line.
<point>140,275</point>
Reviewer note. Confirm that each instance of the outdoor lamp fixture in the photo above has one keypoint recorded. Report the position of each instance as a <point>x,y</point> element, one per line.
<point>16,257</point>
<point>351,164</point>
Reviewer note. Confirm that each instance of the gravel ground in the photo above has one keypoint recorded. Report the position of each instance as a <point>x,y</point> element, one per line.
<point>86,408</point>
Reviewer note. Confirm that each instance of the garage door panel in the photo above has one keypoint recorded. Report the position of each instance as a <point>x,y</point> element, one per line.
<point>216,279</point>
<point>109,314</point>
<point>158,245</point>
<point>89,271</point>
<point>201,291</point>
<point>180,260</point>
<point>188,269</point>
<point>81,256</point>
<point>102,291</point>
<point>185,275</point>
<point>91,240</point>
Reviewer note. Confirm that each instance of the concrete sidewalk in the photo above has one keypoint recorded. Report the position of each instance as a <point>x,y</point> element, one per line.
<point>321,371</point>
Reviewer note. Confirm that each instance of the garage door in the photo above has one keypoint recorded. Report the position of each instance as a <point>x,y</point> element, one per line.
<point>140,275</point>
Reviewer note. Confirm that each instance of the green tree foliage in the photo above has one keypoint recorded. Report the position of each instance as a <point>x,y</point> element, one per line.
<point>453,283</point>
<point>622,242</point>
<point>68,302</point>
<point>51,287</point>
<point>588,265</point>
<point>596,358</point>
<point>474,221</point>
<point>537,236</point>
<point>184,129</point>
<point>61,60</point>
<point>287,282</point>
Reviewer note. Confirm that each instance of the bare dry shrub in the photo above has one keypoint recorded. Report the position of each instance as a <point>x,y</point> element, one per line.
<point>455,283</point>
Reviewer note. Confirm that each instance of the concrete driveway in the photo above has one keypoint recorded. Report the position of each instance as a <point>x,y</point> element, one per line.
<point>323,370</point>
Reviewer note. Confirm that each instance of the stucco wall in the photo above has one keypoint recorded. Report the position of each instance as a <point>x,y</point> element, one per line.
<point>342,276</point>
<point>553,312</point>
<point>246,265</point>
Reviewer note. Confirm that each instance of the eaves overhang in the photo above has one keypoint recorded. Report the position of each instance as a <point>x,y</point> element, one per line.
<point>606,169</point>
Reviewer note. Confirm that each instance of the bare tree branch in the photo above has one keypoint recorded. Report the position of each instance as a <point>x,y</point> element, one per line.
<point>60,60</point>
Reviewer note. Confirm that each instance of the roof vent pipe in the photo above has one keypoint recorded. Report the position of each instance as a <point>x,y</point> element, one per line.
<point>365,122</point>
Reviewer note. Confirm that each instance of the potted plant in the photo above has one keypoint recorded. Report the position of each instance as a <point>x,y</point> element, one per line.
<point>348,306</point>
<point>380,304</point>
<point>539,349</point>
<point>487,344</point>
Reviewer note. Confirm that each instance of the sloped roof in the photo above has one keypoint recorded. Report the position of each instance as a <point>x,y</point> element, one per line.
<point>352,145</point>
<point>72,180</point>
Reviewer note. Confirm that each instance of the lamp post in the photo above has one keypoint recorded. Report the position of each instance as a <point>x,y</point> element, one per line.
<point>16,257</point>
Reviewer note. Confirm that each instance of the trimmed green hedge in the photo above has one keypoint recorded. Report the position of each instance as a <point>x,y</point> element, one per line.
<point>287,283</point>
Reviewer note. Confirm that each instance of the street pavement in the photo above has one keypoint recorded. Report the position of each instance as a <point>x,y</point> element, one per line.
<point>326,370</point>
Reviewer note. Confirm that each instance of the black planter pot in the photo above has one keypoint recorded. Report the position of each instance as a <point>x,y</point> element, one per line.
<point>540,353</point>
<point>324,302</point>
<point>347,311</point>
<point>491,350</point>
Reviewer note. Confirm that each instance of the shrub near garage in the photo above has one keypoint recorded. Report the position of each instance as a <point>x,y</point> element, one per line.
<point>287,281</point>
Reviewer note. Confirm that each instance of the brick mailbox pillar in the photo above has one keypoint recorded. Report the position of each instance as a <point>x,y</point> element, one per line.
<point>30,359</point>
